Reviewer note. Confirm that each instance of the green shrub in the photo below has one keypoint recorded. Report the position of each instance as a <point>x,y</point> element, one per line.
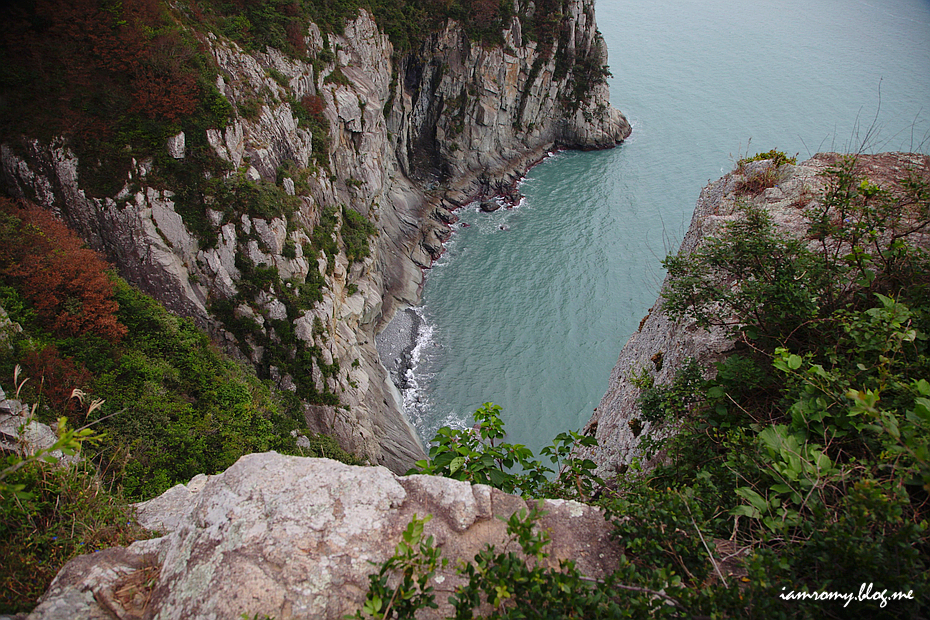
<point>778,158</point>
<point>809,453</point>
<point>250,109</point>
<point>356,229</point>
<point>57,514</point>
<point>478,455</point>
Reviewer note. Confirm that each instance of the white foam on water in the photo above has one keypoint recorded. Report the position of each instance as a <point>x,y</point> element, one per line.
<point>416,401</point>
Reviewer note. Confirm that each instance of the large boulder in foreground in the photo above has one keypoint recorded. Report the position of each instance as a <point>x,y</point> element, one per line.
<point>292,537</point>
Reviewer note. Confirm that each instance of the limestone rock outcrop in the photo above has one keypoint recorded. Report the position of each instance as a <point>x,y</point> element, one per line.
<point>290,537</point>
<point>411,137</point>
<point>662,346</point>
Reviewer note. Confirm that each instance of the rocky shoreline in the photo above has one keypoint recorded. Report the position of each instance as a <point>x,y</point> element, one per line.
<point>396,343</point>
<point>400,154</point>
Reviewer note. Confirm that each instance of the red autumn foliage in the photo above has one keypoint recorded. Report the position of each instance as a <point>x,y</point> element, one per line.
<point>314,105</point>
<point>55,377</point>
<point>65,283</point>
<point>484,11</point>
<point>295,36</point>
<point>93,61</point>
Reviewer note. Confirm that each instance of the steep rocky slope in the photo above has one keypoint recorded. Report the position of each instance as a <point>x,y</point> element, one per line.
<point>661,347</point>
<point>409,138</point>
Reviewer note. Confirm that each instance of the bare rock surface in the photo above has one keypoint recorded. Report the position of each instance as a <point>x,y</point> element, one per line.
<point>292,537</point>
<point>22,434</point>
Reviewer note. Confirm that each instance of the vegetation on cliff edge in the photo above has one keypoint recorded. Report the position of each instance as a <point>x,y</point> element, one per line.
<point>173,405</point>
<point>801,470</point>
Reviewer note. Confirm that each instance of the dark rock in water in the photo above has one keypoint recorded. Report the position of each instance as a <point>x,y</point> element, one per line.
<point>489,206</point>
<point>446,216</point>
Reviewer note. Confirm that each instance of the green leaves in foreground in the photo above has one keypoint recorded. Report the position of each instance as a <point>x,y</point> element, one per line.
<point>515,582</point>
<point>413,564</point>
<point>480,455</point>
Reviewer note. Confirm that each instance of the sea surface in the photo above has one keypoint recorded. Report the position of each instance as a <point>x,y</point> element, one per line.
<point>529,307</point>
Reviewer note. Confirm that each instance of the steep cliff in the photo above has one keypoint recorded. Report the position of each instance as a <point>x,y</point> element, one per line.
<point>271,256</point>
<point>661,346</point>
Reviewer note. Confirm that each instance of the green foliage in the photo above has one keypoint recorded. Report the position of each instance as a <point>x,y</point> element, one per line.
<point>762,178</point>
<point>180,408</point>
<point>51,512</point>
<point>778,158</point>
<point>807,456</point>
<point>281,349</point>
<point>517,585</point>
<point>660,403</point>
<point>59,513</point>
<point>814,437</point>
<point>414,562</point>
<point>239,195</point>
<point>174,406</point>
<point>790,279</point>
<point>480,456</point>
<point>323,238</point>
<point>309,114</point>
<point>279,77</point>
<point>356,229</point>
<point>250,109</point>
<point>290,249</point>
<point>336,76</point>
<point>586,73</point>
<point>512,583</point>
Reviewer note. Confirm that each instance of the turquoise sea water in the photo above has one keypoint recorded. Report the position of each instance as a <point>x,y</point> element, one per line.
<point>529,307</point>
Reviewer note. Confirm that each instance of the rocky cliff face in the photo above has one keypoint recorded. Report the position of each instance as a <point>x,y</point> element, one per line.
<point>290,537</point>
<point>662,346</point>
<point>409,140</point>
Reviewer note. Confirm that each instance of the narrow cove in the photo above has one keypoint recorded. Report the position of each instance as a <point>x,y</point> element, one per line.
<point>529,307</point>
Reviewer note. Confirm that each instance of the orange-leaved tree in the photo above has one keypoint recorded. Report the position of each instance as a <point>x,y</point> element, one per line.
<point>65,283</point>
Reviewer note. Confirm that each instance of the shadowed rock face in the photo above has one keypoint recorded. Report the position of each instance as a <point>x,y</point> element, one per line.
<point>675,342</point>
<point>292,537</point>
<point>462,118</point>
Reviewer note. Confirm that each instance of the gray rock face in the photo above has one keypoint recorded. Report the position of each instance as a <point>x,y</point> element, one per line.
<point>662,346</point>
<point>465,121</point>
<point>22,434</point>
<point>291,537</point>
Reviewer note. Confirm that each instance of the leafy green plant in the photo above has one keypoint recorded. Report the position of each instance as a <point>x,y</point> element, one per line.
<point>478,455</point>
<point>661,403</point>
<point>762,178</point>
<point>51,511</point>
<point>514,582</point>
<point>806,455</point>
<point>778,158</point>
<point>413,564</point>
<point>356,229</point>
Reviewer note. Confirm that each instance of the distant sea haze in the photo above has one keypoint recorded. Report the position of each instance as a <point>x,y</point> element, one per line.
<point>529,307</point>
